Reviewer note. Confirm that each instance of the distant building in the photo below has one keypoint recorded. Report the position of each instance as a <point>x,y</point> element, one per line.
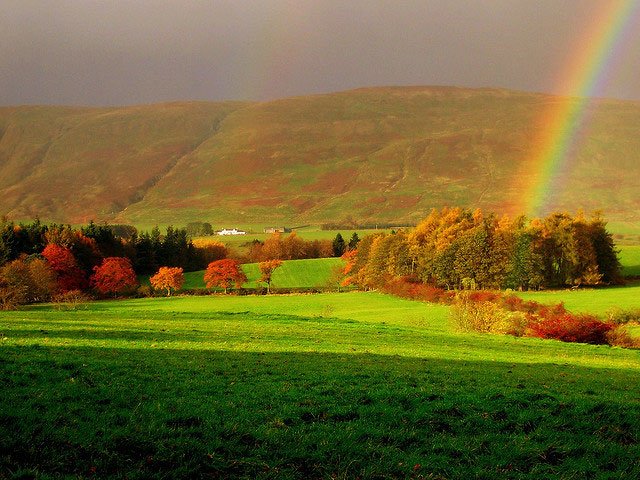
<point>277,230</point>
<point>233,231</point>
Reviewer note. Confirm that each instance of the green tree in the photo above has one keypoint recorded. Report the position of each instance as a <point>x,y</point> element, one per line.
<point>339,245</point>
<point>353,241</point>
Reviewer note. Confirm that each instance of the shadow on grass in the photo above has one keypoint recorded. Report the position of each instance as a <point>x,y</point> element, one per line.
<point>225,414</point>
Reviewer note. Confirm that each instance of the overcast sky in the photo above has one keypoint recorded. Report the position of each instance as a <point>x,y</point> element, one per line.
<point>89,52</point>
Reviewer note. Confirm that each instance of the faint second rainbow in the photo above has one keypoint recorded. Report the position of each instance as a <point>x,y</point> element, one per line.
<point>563,122</point>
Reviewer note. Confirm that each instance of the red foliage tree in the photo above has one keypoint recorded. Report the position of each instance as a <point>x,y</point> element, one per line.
<point>266,271</point>
<point>64,264</point>
<point>223,273</point>
<point>115,275</point>
<point>168,278</point>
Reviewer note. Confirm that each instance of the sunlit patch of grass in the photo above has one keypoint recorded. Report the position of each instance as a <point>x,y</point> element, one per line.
<point>304,386</point>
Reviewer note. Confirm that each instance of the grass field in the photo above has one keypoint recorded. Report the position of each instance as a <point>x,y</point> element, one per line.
<point>351,385</point>
<point>598,301</point>
<point>309,273</point>
<point>630,260</point>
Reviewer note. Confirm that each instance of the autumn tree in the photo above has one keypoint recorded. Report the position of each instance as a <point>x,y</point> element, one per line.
<point>605,250</point>
<point>69,275</point>
<point>210,250</point>
<point>115,275</point>
<point>168,278</point>
<point>224,273</point>
<point>28,279</point>
<point>266,271</point>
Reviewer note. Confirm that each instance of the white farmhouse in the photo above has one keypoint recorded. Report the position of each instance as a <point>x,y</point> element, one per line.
<point>233,231</point>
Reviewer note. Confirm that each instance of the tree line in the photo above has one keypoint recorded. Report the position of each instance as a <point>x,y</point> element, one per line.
<point>457,248</point>
<point>39,261</point>
<point>292,247</point>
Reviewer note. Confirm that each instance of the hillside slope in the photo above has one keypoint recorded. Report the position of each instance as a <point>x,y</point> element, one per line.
<point>378,154</point>
<point>75,164</point>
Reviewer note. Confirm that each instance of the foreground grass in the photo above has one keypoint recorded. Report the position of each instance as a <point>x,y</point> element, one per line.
<point>323,386</point>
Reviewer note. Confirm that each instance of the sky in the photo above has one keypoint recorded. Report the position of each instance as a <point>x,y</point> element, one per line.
<point>116,52</point>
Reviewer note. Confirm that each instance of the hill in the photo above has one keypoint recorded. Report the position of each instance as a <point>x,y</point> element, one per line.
<point>374,155</point>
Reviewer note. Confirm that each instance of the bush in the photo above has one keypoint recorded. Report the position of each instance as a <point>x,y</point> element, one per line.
<point>144,291</point>
<point>71,300</point>
<point>567,327</point>
<point>470,315</point>
<point>12,297</point>
<point>620,317</point>
<point>407,287</point>
<point>510,323</point>
<point>619,336</point>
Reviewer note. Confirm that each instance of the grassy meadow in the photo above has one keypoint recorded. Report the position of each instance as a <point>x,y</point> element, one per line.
<point>630,259</point>
<point>308,273</point>
<point>598,301</point>
<point>350,385</point>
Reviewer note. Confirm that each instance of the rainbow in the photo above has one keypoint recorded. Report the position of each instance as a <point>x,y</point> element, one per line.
<point>564,122</point>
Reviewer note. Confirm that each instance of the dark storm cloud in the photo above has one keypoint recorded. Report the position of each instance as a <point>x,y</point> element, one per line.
<point>122,52</point>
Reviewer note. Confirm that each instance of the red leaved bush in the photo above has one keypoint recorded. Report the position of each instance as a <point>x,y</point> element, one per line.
<point>484,296</point>
<point>407,287</point>
<point>567,327</point>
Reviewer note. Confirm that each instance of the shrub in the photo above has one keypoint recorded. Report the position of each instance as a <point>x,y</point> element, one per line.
<point>621,317</point>
<point>71,299</point>
<point>144,291</point>
<point>619,336</point>
<point>567,327</point>
<point>407,287</point>
<point>473,316</point>
<point>510,323</point>
<point>12,297</point>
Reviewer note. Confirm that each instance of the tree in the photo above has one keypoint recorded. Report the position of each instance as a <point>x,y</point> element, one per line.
<point>64,264</point>
<point>266,271</point>
<point>26,280</point>
<point>169,278</point>
<point>199,229</point>
<point>353,242</point>
<point>115,275</point>
<point>223,273</point>
<point>338,246</point>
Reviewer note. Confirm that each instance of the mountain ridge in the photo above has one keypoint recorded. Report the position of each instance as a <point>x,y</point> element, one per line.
<point>374,153</point>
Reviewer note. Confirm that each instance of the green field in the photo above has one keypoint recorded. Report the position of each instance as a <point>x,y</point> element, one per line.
<point>598,301</point>
<point>309,273</point>
<point>630,260</point>
<point>351,385</point>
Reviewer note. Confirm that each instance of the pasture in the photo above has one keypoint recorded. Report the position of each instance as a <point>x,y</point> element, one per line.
<point>304,386</point>
<point>598,301</point>
<point>307,273</point>
<point>630,259</point>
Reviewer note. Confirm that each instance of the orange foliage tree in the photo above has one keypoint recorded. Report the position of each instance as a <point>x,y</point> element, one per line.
<point>266,271</point>
<point>169,278</point>
<point>223,273</point>
<point>114,275</point>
